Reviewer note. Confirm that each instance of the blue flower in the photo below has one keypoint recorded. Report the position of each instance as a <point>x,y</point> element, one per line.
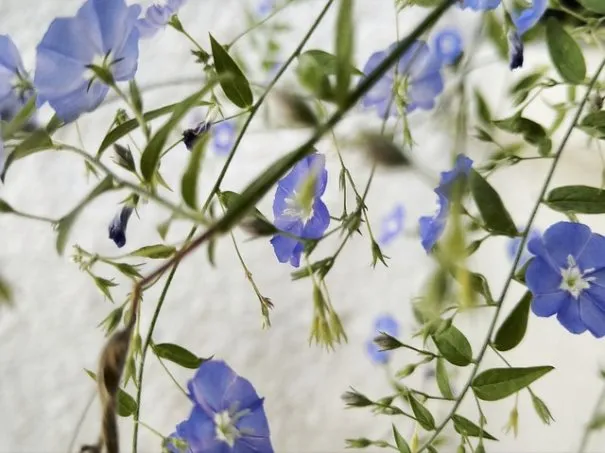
<point>117,227</point>
<point>431,227</point>
<point>513,247</point>
<point>157,17</point>
<point>190,136</point>
<point>223,137</point>
<point>388,325</point>
<point>523,21</point>
<point>392,225</point>
<point>15,86</point>
<point>416,82</point>
<point>448,45</point>
<point>480,5</point>
<point>265,7</point>
<point>227,415</point>
<point>299,212</point>
<point>102,33</point>
<point>567,277</point>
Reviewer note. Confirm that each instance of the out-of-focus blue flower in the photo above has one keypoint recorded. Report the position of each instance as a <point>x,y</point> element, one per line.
<point>448,45</point>
<point>298,208</point>
<point>416,81</point>
<point>513,247</point>
<point>223,137</point>
<point>190,136</point>
<point>388,325</point>
<point>392,225</point>
<point>227,415</point>
<point>157,17</point>
<point>480,5</point>
<point>567,277</point>
<point>102,33</point>
<point>117,227</point>
<point>431,227</point>
<point>15,86</point>
<point>523,21</point>
<point>265,7</point>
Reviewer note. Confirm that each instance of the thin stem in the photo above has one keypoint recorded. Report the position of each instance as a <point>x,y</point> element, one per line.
<point>137,113</point>
<point>29,216</point>
<point>515,264</point>
<point>180,387</point>
<point>258,24</point>
<point>595,413</point>
<point>78,427</point>
<point>254,109</point>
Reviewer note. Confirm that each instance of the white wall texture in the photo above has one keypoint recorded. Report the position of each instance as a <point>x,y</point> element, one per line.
<point>50,335</point>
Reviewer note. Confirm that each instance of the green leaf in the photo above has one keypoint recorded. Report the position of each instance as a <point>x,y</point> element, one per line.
<point>313,76</point>
<point>135,96</point>
<point>464,426</point>
<point>495,33</point>
<point>37,141</point>
<point>158,251</point>
<point>178,355</point>
<point>344,49</point>
<point>443,380</point>
<point>327,61</point>
<point>400,442</point>
<point>127,405</point>
<point>454,346</point>
<point>66,222</point>
<point>6,294</point>
<point>20,119</point>
<point>483,111</point>
<point>577,199</point>
<point>190,177</point>
<point>513,329</point>
<point>541,409</point>
<point>494,214</point>
<point>565,53</point>
<point>5,207</point>
<point>150,158</point>
<point>596,6</point>
<point>422,414</point>
<point>498,383</point>
<point>532,132</point>
<point>234,85</point>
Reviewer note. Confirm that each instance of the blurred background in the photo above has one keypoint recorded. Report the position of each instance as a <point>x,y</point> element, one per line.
<point>50,336</point>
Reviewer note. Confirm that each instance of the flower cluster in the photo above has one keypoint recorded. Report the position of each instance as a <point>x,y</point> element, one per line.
<point>227,416</point>
<point>416,80</point>
<point>298,209</point>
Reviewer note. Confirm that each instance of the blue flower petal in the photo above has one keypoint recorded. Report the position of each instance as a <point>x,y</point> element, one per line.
<point>548,304</point>
<point>376,355</point>
<point>117,227</point>
<point>254,424</point>
<point>462,167</point>
<point>529,17</point>
<point>319,221</point>
<point>431,227</point>
<point>383,323</point>
<point>564,239</point>
<point>392,225</point>
<point>448,45</point>
<point>284,246</point>
<point>569,317</point>
<point>541,278</point>
<point>593,255</point>
<point>296,254</point>
<point>480,5</point>
<point>422,92</point>
<point>252,445</point>
<point>199,431</point>
<point>240,395</point>
<point>387,324</point>
<point>223,137</point>
<point>592,314</point>
<point>210,384</point>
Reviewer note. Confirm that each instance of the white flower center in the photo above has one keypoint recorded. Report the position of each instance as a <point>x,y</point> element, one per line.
<point>295,208</point>
<point>573,279</point>
<point>226,430</point>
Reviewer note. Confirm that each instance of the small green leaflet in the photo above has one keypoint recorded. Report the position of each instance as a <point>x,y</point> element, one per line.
<point>454,346</point>
<point>422,414</point>
<point>464,426</point>
<point>234,84</point>
<point>158,251</point>
<point>190,177</point>
<point>443,380</point>
<point>492,209</point>
<point>565,52</point>
<point>577,199</point>
<point>498,383</point>
<point>513,329</point>
<point>178,355</point>
<point>400,442</point>
<point>327,61</point>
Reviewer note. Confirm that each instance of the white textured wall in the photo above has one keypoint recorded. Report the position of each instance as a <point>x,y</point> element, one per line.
<point>51,334</point>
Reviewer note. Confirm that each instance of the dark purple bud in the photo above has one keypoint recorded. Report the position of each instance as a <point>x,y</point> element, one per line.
<point>117,227</point>
<point>190,136</point>
<point>515,49</point>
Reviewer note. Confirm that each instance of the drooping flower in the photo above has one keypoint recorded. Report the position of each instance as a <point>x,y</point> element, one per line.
<point>431,227</point>
<point>448,45</point>
<point>567,277</point>
<point>157,17</point>
<point>298,208</point>
<point>15,85</point>
<point>227,416</point>
<point>480,5</point>
<point>191,135</point>
<point>223,137</point>
<point>386,324</point>
<point>102,33</point>
<point>117,227</point>
<point>523,21</point>
<point>392,225</point>
<point>414,83</point>
<point>513,247</point>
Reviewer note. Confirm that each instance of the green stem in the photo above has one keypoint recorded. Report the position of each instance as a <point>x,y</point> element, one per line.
<point>258,24</point>
<point>254,109</point>
<point>515,264</point>
<point>137,113</point>
<point>26,215</point>
<point>595,413</point>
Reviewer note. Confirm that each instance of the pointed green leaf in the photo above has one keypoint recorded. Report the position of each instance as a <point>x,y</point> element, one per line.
<point>443,380</point>
<point>344,48</point>
<point>494,214</point>
<point>454,346</point>
<point>541,409</point>
<point>158,251</point>
<point>37,141</point>
<point>464,426</point>
<point>400,442</point>
<point>190,177</point>
<point>498,383</point>
<point>327,61</point>
<point>565,53</point>
<point>234,84</point>
<point>422,414</point>
<point>5,207</point>
<point>178,355</point>
<point>577,199</point>
<point>6,294</point>
<point>513,329</point>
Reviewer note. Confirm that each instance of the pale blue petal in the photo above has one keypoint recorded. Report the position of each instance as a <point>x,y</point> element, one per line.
<point>392,225</point>
<point>84,99</point>
<point>593,255</point>
<point>387,324</point>
<point>126,67</point>
<point>431,228</point>
<point>296,254</point>
<point>209,385</point>
<point>422,92</point>
<point>592,314</point>
<point>254,424</point>
<point>240,395</point>
<point>541,278</point>
<point>564,239</point>
<point>548,304</point>
<point>529,17</point>
<point>9,56</point>
<point>448,45</point>
<point>319,221</point>
<point>480,5</point>
<point>569,317</point>
<point>200,433</point>
<point>284,246</point>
